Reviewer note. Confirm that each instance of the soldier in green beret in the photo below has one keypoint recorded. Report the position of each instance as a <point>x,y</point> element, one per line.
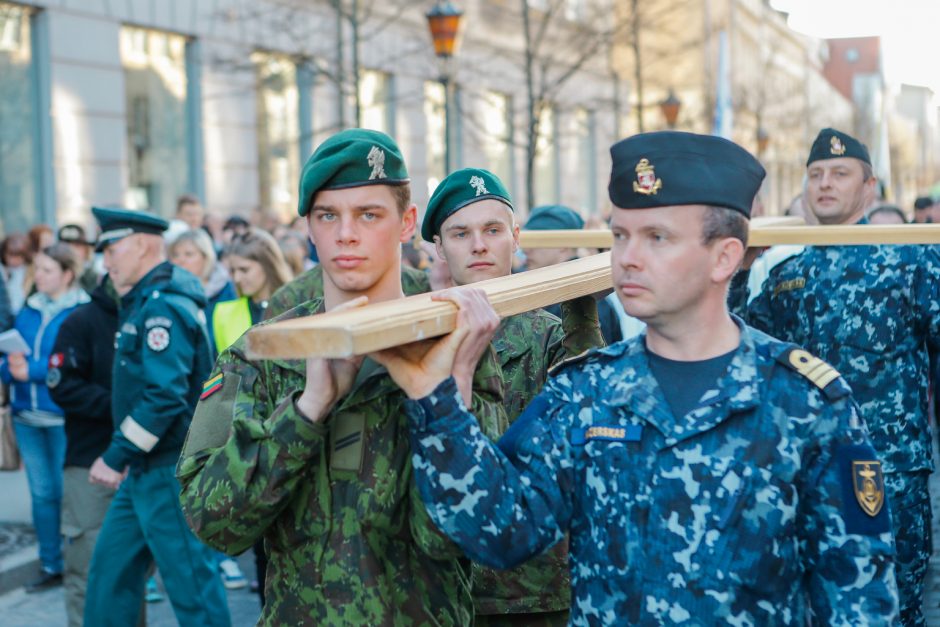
<point>312,456</point>
<point>470,219</point>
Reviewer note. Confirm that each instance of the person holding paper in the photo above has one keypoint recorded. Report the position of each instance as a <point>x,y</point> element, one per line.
<point>38,422</point>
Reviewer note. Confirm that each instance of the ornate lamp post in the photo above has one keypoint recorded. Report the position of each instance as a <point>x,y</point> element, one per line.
<point>670,108</point>
<point>444,23</point>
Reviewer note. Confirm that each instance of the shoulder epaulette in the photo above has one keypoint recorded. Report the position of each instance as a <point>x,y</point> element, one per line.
<point>819,373</point>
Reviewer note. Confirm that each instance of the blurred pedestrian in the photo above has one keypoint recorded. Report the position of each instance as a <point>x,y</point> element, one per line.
<point>161,357</point>
<point>74,236</point>
<point>79,381</point>
<point>258,270</point>
<point>17,258</point>
<point>193,251</point>
<point>37,420</point>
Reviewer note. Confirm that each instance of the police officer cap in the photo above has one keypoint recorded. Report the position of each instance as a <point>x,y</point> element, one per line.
<point>351,158</point>
<point>73,234</point>
<point>117,224</point>
<point>456,191</point>
<point>833,144</point>
<point>668,168</point>
<point>554,217</point>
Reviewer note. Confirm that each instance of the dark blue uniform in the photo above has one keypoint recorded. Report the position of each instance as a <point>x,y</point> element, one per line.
<point>161,358</point>
<point>743,511</point>
<point>872,312</point>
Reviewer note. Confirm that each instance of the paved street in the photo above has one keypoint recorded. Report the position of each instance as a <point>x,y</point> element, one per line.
<point>48,609</point>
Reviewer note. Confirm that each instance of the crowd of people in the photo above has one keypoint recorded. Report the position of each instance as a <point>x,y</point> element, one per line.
<point>678,449</point>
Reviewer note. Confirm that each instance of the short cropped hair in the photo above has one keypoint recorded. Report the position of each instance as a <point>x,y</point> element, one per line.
<point>721,222</point>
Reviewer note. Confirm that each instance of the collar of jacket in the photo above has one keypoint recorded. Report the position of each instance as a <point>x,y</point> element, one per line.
<point>738,390</point>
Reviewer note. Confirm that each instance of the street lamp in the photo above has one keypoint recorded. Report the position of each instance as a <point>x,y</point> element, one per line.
<point>444,23</point>
<point>670,108</point>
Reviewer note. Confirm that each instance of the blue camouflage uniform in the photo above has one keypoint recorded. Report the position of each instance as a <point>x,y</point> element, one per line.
<point>161,358</point>
<point>762,506</point>
<point>872,312</point>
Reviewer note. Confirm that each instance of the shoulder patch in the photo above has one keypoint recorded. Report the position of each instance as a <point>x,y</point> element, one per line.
<point>212,421</point>
<point>820,374</point>
<point>56,360</point>
<point>864,506</point>
<point>158,339</point>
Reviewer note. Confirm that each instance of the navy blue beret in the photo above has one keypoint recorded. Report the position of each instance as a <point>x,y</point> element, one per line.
<point>668,168</point>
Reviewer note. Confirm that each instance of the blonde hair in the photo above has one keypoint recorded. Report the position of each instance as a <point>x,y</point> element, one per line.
<point>259,245</point>
<point>203,243</point>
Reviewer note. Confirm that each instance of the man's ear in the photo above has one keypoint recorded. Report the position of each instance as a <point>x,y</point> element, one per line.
<point>728,253</point>
<point>515,237</point>
<point>438,246</point>
<point>409,223</point>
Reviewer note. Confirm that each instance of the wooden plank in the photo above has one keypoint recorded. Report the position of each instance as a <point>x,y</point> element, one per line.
<point>760,236</point>
<point>392,323</point>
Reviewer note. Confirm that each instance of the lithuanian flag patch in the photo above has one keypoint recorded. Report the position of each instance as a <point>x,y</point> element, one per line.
<point>211,386</point>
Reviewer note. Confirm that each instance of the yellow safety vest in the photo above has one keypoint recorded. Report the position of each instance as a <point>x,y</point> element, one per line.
<point>230,319</point>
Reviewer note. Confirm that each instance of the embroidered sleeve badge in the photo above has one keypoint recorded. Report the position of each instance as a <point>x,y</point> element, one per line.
<point>158,339</point>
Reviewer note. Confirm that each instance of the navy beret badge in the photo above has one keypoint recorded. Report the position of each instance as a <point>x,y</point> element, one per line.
<point>836,146</point>
<point>376,160</point>
<point>869,484</point>
<point>646,182</point>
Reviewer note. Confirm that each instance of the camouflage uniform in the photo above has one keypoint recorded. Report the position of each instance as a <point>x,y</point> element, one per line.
<point>743,511</point>
<point>348,539</point>
<point>871,311</point>
<point>528,345</point>
<point>310,285</point>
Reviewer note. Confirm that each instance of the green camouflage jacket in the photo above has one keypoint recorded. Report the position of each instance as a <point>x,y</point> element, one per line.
<point>348,538</point>
<point>310,285</point>
<point>528,345</point>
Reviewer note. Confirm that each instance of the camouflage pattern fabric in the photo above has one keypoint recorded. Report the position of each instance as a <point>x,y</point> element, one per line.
<point>871,312</point>
<point>348,539</point>
<point>310,285</point>
<point>743,511</point>
<point>909,497</point>
<point>528,345</point>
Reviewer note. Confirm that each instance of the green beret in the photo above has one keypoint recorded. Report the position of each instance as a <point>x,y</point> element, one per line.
<point>669,168</point>
<point>832,144</point>
<point>456,191</point>
<point>351,158</point>
<point>117,224</point>
<point>552,218</point>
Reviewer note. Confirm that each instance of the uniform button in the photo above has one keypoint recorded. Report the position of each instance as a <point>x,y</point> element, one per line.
<point>123,363</point>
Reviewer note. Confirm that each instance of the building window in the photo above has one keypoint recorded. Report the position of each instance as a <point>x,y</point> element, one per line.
<point>155,86</point>
<point>278,132</point>
<point>19,177</point>
<point>375,101</point>
<point>546,160</point>
<point>851,55</point>
<point>585,177</point>
<point>436,125</point>
<point>498,137</point>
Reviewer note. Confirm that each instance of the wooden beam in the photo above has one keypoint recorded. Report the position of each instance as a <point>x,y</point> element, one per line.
<point>392,323</point>
<point>760,236</point>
